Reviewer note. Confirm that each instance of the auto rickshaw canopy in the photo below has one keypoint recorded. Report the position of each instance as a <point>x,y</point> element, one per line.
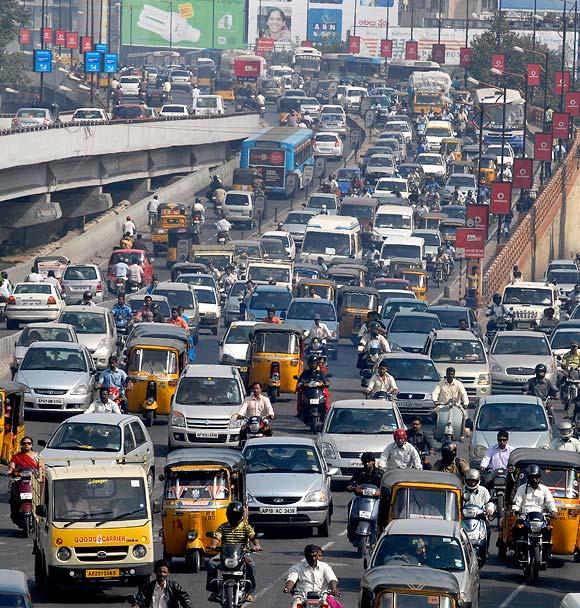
<point>347,292</point>
<point>157,343</point>
<point>523,457</point>
<point>410,477</point>
<point>231,459</point>
<point>157,331</point>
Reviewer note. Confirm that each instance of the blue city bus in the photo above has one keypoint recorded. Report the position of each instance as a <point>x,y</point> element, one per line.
<point>276,153</point>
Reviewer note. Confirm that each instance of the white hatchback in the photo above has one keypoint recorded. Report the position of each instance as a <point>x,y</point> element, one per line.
<point>328,144</point>
<point>33,302</point>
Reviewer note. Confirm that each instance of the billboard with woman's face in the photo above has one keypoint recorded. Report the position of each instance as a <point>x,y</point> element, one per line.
<point>275,23</point>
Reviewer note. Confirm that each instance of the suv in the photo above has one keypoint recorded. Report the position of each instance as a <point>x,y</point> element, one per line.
<point>205,399</point>
<point>78,278</point>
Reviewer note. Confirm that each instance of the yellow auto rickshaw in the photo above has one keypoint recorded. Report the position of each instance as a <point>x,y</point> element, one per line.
<point>487,167</point>
<point>11,418</point>
<point>169,216</point>
<point>561,474</point>
<point>323,288</point>
<point>451,144</point>
<point>353,304</point>
<point>247,179</point>
<point>198,485</point>
<point>419,282</point>
<point>224,87</point>
<point>154,366</point>
<point>285,106</point>
<point>410,494</point>
<point>348,274</point>
<point>179,243</point>
<point>275,357</point>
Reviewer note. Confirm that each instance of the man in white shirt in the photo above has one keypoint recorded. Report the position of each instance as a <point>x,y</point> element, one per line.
<point>121,270</point>
<point>319,330</point>
<point>400,454</point>
<point>195,92</point>
<point>382,382</point>
<point>103,405</point>
<point>450,388</point>
<point>256,404</point>
<point>34,276</point>
<point>51,278</point>
<point>314,575</point>
<point>129,226</point>
<point>497,456</point>
<point>223,226</point>
<point>534,496</point>
<point>566,441</point>
<point>136,273</point>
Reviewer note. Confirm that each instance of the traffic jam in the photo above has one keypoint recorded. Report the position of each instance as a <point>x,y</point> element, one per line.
<point>295,382</point>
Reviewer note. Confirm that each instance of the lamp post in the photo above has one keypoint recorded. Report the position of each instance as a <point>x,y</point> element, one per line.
<point>480,150</point>
<point>412,17</point>
<point>503,113</point>
<point>438,23</point>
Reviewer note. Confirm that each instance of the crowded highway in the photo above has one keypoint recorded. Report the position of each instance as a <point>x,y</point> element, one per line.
<point>300,360</point>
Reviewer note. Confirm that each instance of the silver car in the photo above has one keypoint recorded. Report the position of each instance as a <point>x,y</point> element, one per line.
<point>354,426</point>
<point>410,330</point>
<point>78,278</point>
<point>431,543</point>
<point>288,483</point>
<point>524,416</point>
<point>465,181</point>
<point>32,117</point>
<point>296,221</point>
<point>59,376</point>
<point>233,300</point>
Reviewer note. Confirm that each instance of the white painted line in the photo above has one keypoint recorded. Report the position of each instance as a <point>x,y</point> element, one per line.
<point>343,533</point>
<point>511,596</point>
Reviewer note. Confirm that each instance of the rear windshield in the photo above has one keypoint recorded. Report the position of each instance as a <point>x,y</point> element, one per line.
<point>127,112</point>
<point>80,273</point>
<point>177,297</point>
<point>31,113</point>
<point>44,334</point>
<point>32,288</point>
<point>88,114</point>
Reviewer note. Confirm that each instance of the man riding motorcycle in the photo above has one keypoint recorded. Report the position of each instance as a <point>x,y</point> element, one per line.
<point>400,454</point>
<point>540,386</point>
<point>450,462</point>
<point>321,332</point>
<point>382,382</point>
<point>548,321</point>
<point>477,494</point>
<point>122,313</point>
<point>566,441</point>
<point>496,310</point>
<point>420,441</point>
<point>312,373</point>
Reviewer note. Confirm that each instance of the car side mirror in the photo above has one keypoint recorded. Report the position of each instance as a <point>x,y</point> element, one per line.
<point>41,443</point>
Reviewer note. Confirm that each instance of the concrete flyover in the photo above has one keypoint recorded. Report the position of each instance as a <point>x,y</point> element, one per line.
<point>70,170</point>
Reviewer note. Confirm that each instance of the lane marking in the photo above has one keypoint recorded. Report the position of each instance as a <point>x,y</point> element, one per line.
<point>343,533</point>
<point>511,596</point>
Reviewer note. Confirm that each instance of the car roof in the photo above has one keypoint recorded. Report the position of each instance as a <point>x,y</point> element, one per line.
<point>80,308</point>
<point>209,371</point>
<point>531,285</point>
<point>416,314</point>
<point>452,307</point>
<point>50,324</point>
<point>265,287</point>
<point>57,344</point>
<point>115,419</point>
<point>406,355</point>
<point>454,334</point>
<point>519,334</point>
<point>428,527</point>
<point>172,285</point>
<point>312,300</point>
<point>277,441</point>
<point>13,581</point>
<point>362,404</point>
<point>512,399</point>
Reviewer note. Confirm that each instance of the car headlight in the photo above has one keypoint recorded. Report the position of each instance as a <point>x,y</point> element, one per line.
<point>81,389</point>
<point>102,344</point>
<point>494,367</point>
<point>328,451</point>
<point>236,423</point>
<point>177,419</point>
<point>63,554</point>
<point>251,500</point>
<point>139,551</point>
<point>480,451</point>
<point>483,379</point>
<point>318,496</point>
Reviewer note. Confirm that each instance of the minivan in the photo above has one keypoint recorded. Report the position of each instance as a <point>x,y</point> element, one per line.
<point>243,207</point>
<point>329,236</point>
<point>208,105</point>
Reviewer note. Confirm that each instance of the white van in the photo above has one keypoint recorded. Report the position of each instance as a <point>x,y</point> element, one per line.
<point>130,85</point>
<point>436,131</point>
<point>352,98</point>
<point>403,248</point>
<point>329,236</point>
<point>267,272</point>
<point>393,220</point>
<point>208,105</point>
<point>242,207</point>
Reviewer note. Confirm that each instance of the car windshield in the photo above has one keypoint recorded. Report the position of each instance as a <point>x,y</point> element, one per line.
<point>458,351</point>
<point>422,98</point>
<point>85,322</point>
<point>429,159</point>
<point>31,113</point>
<point>381,161</point>
<point>274,249</point>
<point>173,110</point>
<point>44,334</point>
<point>364,301</point>
<point>196,485</point>
<point>454,212</point>
<point>347,174</point>
<point>80,273</point>
<point>450,318</point>
<point>205,296</point>
<point>262,300</point>
<point>465,181</point>
<point>238,334</point>
<point>307,310</point>
<point>316,202</point>
<point>162,306</point>
<point>439,552</point>
<point>282,459</point>
<point>413,324</point>
<point>54,359</point>
<point>127,111</point>
<point>152,361</point>
<point>394,220</point>
<point>28,288</point>
<point>86,436</point>
<point>219,261</point>
<point>331,118</point>
<point>564,276</point>
<point>356,421</point>
<point>563,338</point>
<point>361,212</point>
<point>276,342</point>
<point>206,102</point>
<point>520,345</point>
<point>328,243</point>
<point>208,391</point>
<point>392,184</point>
<point>406,170</point>
<point>100,499</point>
<point>515,417</point>
<point>437,132</point>
<point>252,250</point>
<point>237,289</point>
<point>203,280</point>
<point>390,309</point>
<point>177,297</point>
<point>88,114</point>
<point>413,370</point>
<point>529,295</point>
<point>298,218</point>
<point>270,273</point>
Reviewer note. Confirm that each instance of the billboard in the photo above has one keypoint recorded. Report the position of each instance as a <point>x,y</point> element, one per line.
<point>216,24</point>
<point>324,25</point>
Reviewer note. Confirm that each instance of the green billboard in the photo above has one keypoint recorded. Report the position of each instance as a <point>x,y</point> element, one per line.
<point>218,24</point>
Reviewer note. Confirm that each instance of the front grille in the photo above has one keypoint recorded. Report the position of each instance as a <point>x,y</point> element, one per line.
<point>356,455</point>
<point>49,391</point>
<point>204,423</point>
<point>349,472</point>
<point>278,501</point>
<point>520,371</point>
<point>466,379</point>
<point>411,396</point>
<point>102,554</point>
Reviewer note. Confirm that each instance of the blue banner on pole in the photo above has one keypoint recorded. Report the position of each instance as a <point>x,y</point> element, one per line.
<point>42,60</point>
<point>102,47</point>
<point>110,63</point>
<point>92,62</point>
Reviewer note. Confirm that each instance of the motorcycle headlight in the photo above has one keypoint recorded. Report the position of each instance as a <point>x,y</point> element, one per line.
<point>191,535</point>
<point>177,419</point>
<point>328,451</point>
<point>139,551</point>
<point>483,379</point>
<point>230,562</point>
<point>536,526</point>
<point>236,423</point>
<point>81,389</point>
<point>480,451</point>
<point>318,496</point>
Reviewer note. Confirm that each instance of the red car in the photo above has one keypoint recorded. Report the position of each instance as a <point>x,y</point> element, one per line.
<point>128,256</point>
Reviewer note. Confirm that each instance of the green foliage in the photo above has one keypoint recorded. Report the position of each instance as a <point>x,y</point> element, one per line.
<point>13,66</point>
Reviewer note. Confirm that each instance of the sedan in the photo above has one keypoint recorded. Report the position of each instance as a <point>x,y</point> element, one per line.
<point>173,110</point>
<point>233,347</point>
<point>179,76</point>
<point>32,117</point>
<point>328,144</point>
<point>288,483</point>
<point>390,185</point>
<point>465,181</point>
<point>433,164</point>
<point>318,200</point>
<point>310,105</point>
<point>90,115</point>
<point>302,310</point>
<point>333,123</point>
<point>58,376</point>
<point>31,302</point>
<point>410,330</point>
<point>78,278</point>
<point>514,355</point>
<point>353,426</point>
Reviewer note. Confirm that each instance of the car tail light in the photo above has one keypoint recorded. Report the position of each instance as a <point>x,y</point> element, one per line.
<point>11,300</point>
<point>51,300</point>
<point>99,287</point>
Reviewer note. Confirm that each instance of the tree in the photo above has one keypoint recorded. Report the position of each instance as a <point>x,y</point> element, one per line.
<point>13,66</point>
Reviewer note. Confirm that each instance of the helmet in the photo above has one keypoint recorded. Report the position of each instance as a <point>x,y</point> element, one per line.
<point>540,368</point>
<point>449,448</point>
<point>496,296</point>
<point>374,326</point>
<point>400,435</point>
<point>565,428</point>
<point>235,513</point>
<point>472,479</point>
<point>312,359</point>
<point>87,295</point>
<point>534,474</point>
<point>367,457</point>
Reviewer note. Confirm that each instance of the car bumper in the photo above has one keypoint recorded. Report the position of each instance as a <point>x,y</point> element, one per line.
<point>77,575</point>
<point>205,322</point>
<point>180,437</point>
<point>328,152</point>
<point>57,403</point>
<point>304,516</point>
<point>29,314</point>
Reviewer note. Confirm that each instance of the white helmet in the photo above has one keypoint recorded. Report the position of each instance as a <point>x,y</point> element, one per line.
<point>472,479</point>
<point>565,428</point>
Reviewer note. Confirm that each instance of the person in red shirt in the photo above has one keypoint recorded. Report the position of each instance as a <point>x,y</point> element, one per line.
<point>177,320</point>
<point>271,317</point>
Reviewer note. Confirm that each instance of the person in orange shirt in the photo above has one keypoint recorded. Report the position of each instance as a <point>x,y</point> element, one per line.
<point>177,320</point>
<point>271,317</point>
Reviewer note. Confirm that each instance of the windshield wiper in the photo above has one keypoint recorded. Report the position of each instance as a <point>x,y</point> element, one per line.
<point>104,521</point>
<point>85,516</point>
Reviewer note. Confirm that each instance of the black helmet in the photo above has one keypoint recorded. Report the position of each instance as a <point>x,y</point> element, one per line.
<point>533,474</point>
<point>367,457</point>
<point>235,513</point>
<point>540,368</point>
<point>87,295</point>
<point>374,326</point>
<point>496,296</point>
<point>449,448</point>
<point>312,359</point>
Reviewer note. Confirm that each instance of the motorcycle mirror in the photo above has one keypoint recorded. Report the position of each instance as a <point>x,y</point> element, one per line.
<point>210,534</point>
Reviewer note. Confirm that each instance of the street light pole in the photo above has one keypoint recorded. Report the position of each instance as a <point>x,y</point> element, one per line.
<point>438,23</point>
<point>500,218</point>
<point>42,22</point>
<point>412,17</point>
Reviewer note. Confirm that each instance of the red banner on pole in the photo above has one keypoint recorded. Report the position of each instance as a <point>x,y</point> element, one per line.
<point>264,45</point>
<point>470,242</point>
<point>561,125</point>
<point>477,216</point>
<point>465,55</point>
<point>501,198</point>
<point>543,146</point>
<point>86,44</point>
<point>561,82</point>
<point>572,103</point>
<point>523,173</point>
<point>72,40</point>
<point>438,53</point>
<point>24,37</point>
<point>498,62</point>
<point>386,48</point>
<point>354,44</point>
<point>411,50</point>
<point>46,34</point>
<point>533,74</point>
<point>60,37</point>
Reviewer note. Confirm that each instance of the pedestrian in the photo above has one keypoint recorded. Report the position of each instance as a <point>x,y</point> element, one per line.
<point>162,592</point>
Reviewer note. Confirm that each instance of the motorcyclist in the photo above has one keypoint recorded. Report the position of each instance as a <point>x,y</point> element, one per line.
<point>87,299</point>
<point>400,454</point>
<point>321,331</point>
<point>571,359</point>
<point>153,285</point>
<point>152,209</point>
<point>374,335</point>
<point>382,382</point>
<point>566,441</point>
<point>368,475</point>
<point>431,186</point>
<point>121,271</point>
<point>223,228</point>
<point>495,311</point>
<point>372,317</point>
<point>245,297</point>
<point>228,278</point>
<point>450,462</point>
<point>497,456</point>
<point>113,377</point>
<point>548,322</point>
<point>126,241</point>
<point>271,317</point>
<point>540,386</point>
<point>450,388</point>
<point>312,373</point>
<point>420,441</point>
<point>333,183</point>
<point>235,530</point>
<point>574,297</point>
<point>136,274</point>
<point>103,405</point>
<point>140,243</point>
<point>470,198</point>
<point>122,313</point>
<point>24,460</point>
<point>477,494</point>
<point>215,272</point>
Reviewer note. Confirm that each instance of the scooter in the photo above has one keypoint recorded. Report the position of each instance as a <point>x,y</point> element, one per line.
<point>317,347</point>
<point>449,421</point>
<point>22,489</point>
<point>362,520</point>
<point>313,404</point>
<point>533,549</point>
<point>475,525</point>
<point>370,359</point>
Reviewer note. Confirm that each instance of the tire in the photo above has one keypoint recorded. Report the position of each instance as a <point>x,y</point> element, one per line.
<point>27,525</point>
<point>193,559</point>
<point>229,597</point>
<point>501,549</point>
<point>361,543</point>
<point>533,570</point>
<point>324,529</point>
<point>148,417</point>
<point>500,507</point>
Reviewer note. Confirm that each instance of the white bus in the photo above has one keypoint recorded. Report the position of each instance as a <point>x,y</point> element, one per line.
<point>307,59</point>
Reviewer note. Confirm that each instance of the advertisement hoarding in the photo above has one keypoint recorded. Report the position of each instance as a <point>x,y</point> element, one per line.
<point>543,146</point>
<point>271,166</point>
<point>72,40</point>
<point>24,37</point>
<point>501,198</point>
<point>324,25</point>
<point>110,63</point>
<point>465,55</point>
<point>86,44</point>
<point>561,82</point>
<point>523,173</point>
<point>411,50</point>
<point>498,62</point>
<point>533,74</point>
<point>246,68</point>
<point>438,53</point>
<point>46,35</point>
<point>572,103</point>
<point>354,44</point>
<point>470,242</point>
<point>561,125</point>
<point>92,62</point>
<point>60,37</point>
<point>477,216</point>
<point>42,61</point>
<point>386,48</point>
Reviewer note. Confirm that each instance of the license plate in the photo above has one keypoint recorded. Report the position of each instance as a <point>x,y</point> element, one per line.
<point>46,401</point>
<point>243,370</point>
<point>355,463</point>
<point>25,495</point>
<point>314,401</point>
<point>110,573</point>
<point>413,404</point>
<point>364,514</point>
<point>522,380</point>
<point>207,434</point>
<point>278,510</point>
<point>77,288</point>
<point>30,302</point>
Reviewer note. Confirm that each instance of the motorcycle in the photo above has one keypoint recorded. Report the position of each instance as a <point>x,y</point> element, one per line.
<point>123,329</point>
<point>533,549</point>
<point>152,218</point>
<point>317,347</point>
<point>498,489</point>
<point>369,359</point>
<point>437,275</point>
<point>223,237</point>
<point>501,324</point>
<point>197,221</point>
<point>120,283</point>
<point>570,389</point>
<point>118,396</point>
<point>475,525</point>
<point>362,520</point>
<point>449,421</point>
<point>313,404</point>
<point>253,428</point>
<point>314,599</point>
<point>22,490</point>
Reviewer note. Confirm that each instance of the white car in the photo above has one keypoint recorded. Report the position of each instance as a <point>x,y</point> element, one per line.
<point>209,307</point>
<point>90,115</point>
<point>233,347</point>
<point>296,222</point>
<point>310,105</point>
<point>386,186</point>
<point>328,144</point>
<point>380,165</point>
<point>352,97</point>
<point>333,109</point>
<point>433,164</point>
<point>33,302</point>
<point>398,126</point>
<point>179,75</point>
<point>285,238</point>
<point>465,181</point>
<point>508,154</point>
<point>130,85</point>
<point>173,110</point>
